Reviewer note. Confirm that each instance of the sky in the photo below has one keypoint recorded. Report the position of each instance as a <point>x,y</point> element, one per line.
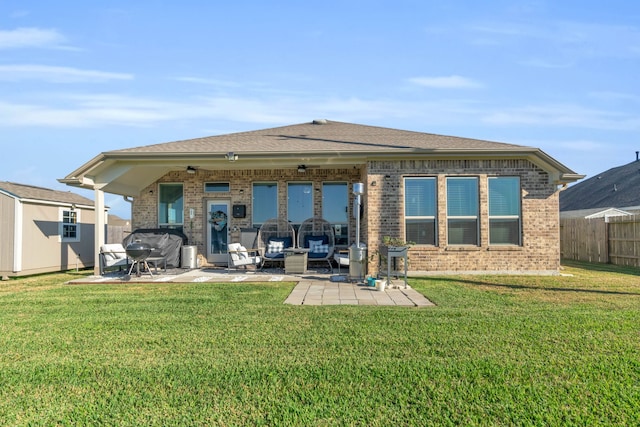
<point>78,78</point>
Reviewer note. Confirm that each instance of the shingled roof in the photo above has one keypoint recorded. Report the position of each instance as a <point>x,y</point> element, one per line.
<point>318,144</point>
<point>31,192</point>
<point>618,187</point>
<point>323,136</point>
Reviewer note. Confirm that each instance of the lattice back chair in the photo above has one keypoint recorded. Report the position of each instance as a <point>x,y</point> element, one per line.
<point>318,236</point>
<point>275,235</point>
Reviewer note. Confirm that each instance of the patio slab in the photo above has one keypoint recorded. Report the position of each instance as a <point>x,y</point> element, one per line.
<point>312,288</point>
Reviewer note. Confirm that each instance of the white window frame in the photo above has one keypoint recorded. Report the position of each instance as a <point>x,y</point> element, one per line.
<point>494,217</point>
<point>310,214</point>
<point>254,204</point>
<point>169,224</point>
<point>434,217</point>
<point>341,228</point>
<point>76,225</point>
<point>476,217</point>
<point>214,189</point>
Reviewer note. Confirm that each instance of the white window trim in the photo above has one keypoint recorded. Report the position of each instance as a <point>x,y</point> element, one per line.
<point>518,217</point>
<point>473,217</point>
<point>61,225</point>
<point>253,205</point>
<point>169,224</point>
<point>422,217</point>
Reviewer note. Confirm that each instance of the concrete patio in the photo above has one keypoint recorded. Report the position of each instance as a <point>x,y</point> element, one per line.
<point>312,288</point>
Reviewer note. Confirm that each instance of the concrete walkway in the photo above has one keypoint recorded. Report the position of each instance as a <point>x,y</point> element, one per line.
<point>313,288</point>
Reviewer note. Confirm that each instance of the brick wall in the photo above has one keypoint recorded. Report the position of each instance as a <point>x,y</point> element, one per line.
<point>384,210</point>
<point>540,250</point>
<point>145,210</point>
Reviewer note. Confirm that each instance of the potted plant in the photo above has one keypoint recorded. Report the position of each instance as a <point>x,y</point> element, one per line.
<point>394,246</point>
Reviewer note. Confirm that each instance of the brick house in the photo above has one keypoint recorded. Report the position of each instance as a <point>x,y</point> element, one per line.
<point>469,205</point>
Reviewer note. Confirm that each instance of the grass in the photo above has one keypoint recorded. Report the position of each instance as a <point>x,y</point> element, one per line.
<point>497,350</point>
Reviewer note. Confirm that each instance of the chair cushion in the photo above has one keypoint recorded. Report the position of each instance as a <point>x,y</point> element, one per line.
<point>243,253</point>
<point>342,259</point>
<point>113,251</point>
<point>320,249</point>
<point>275,247</point>
<point>287,242</point>
<point>324,239</point>
<point>313,244</point>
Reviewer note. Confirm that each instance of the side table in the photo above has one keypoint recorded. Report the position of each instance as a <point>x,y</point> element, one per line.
<point>295,260</point>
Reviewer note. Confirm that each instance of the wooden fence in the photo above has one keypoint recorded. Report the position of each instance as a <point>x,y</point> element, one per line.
<point>614,241</point>
<point>117,233</point>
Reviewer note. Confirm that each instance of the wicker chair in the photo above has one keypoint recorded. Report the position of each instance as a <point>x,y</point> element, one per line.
<point>318,236</point>
<point>275,235</point>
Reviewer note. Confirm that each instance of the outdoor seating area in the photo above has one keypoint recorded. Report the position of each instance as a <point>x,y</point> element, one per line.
<point>113,255</point>
<point>314,241</point>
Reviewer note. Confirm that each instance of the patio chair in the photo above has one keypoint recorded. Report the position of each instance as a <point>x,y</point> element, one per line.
<point>239,256</point>
<point>113,255</point>
<point>317,235</point>
<point>275,235</point>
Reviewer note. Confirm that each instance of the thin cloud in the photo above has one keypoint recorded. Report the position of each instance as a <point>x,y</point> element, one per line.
<point>568,39</point>
<point>21,38</point>
<point>563,115</point>
<point>448,82</point>
<point>206,81</point>
<point>19,72</point>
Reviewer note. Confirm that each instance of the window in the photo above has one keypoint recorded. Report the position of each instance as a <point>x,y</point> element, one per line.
<point>69,226</point>
<point>265,202</point>
<point>335,205</point>
<point>299,201</point>
<point>420,210</point>
<point>462,211</point>
<point>216,187</point>
<point>504,211</point>
<point>170,206</point>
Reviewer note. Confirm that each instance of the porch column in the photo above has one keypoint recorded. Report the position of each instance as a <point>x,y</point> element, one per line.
<point>99,228</point>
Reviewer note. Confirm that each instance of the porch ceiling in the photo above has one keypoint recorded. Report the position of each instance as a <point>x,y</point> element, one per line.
<point>128,175</point>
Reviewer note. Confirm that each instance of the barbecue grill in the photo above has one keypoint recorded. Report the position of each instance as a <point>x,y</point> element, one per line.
<point>138,252</point>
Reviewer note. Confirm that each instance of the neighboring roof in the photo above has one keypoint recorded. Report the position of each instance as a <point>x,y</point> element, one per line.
<point>116,220</point>
<point>320,143</point>
<point>618,187</point>
<point>31,192</point>
<point>594,213</point>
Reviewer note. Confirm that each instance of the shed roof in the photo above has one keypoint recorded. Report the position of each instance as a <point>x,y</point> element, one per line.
<point>32,192</point>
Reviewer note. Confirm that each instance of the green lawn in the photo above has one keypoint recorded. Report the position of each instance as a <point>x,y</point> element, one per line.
<point>496,350</point>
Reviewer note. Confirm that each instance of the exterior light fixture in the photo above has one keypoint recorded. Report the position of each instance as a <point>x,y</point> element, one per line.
<point>231,156</point>
<point>191,170</point>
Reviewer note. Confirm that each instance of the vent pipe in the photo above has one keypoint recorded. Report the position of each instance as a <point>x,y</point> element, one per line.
<point>637,155</point>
